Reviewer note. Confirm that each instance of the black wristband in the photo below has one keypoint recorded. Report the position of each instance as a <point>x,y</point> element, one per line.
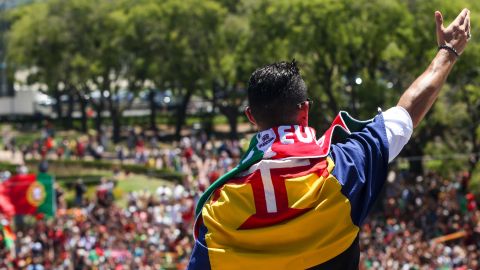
<point>448,48</point>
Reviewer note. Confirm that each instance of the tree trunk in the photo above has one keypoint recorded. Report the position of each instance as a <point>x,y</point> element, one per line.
<point>473,160</point>
<point>116,125</point>
<point>68,119</point>
<point>115,114</point>
<point>209,126</point>
<point>414,150</point>
<point>475,118</point>
<point>233,122</point>
<point>99,109</point>
<point>83,110</point>
<point>153,110</point>
<point>328,88</point>
<point>353,100</point>
<point>58,104</point>
<point>231,112</point>
<point>182,113</point>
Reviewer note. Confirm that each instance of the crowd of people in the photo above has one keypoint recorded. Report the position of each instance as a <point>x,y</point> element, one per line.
<point>151,233</point>
<point>423,222</point>
<point>139,147</point>
<point>419,222</point>
<point>153,230</point>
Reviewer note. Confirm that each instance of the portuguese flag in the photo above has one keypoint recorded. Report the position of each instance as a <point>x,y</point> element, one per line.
<point>31,194</point>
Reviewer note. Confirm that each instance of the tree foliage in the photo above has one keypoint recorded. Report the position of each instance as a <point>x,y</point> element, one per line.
<point>354,55</point>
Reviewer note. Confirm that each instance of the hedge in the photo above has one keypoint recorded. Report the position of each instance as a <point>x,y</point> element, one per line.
<point>108,165</point>
<point>8,167</point>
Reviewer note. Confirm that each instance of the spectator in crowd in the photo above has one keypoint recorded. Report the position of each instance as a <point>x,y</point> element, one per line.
<point>59,196</point>
<point>43,166</point>
<point>80,190</point>
<point>80,149</point>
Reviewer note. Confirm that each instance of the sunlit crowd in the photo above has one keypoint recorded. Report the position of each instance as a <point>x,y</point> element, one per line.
<point>423,222</point>
<point>419,222</point>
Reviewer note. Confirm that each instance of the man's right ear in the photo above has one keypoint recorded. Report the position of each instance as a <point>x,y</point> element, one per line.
<point>248,113</point>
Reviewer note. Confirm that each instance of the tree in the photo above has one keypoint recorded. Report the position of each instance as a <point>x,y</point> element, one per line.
<point>37,39</point>
<point>335,42</point>
<point>145,39</point>
<point>354,55</point>
<point>231,66</point>
<point>190,40</point>
<point>447,128</point>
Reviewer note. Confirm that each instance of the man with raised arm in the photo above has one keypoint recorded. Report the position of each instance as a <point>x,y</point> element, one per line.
<point>295,201</point>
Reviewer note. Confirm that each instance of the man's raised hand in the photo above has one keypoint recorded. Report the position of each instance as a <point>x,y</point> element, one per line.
<point>457,34</point>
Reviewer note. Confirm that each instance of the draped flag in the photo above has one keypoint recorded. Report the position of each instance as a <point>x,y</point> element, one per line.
<point>272,211</point>
<point>30,194</point>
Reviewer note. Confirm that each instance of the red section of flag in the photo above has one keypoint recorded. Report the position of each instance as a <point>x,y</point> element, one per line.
<point>6,207</point>
<point>283,212</point>
<point>16,188</point>
<point>268,219</point>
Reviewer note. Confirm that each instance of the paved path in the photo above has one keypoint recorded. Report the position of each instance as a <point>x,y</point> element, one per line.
<point>6,156</point>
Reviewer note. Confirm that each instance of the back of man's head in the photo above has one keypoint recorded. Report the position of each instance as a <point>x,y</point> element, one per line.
<point>274,92</point>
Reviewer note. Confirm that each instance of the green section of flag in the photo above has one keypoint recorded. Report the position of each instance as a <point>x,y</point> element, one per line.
<point>48,206</point>
<point>8,237</point>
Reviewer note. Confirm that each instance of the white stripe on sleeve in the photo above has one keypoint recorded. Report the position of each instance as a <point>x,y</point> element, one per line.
<point>399,128</point>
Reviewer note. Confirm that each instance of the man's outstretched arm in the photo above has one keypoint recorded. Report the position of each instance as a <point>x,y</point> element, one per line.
<point>419,97</point>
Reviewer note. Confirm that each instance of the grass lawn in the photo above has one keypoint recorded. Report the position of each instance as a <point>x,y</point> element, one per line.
<point>136,182</point>
<point>124,185</point>
<point>66,177</point>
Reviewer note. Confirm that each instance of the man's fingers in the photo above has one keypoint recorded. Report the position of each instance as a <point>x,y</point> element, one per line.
<point>467,23</point>
<point>461,17</point>
<point>439,20</point>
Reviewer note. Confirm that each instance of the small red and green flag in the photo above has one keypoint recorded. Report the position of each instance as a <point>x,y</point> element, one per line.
<point>31,194</point>
<point>8,237</point>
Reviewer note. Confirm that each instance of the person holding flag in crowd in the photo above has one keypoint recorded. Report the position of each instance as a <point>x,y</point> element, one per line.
<point>295,201</point>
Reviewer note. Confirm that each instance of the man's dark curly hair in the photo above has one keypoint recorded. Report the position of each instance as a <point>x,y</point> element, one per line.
<point>273,92</point>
